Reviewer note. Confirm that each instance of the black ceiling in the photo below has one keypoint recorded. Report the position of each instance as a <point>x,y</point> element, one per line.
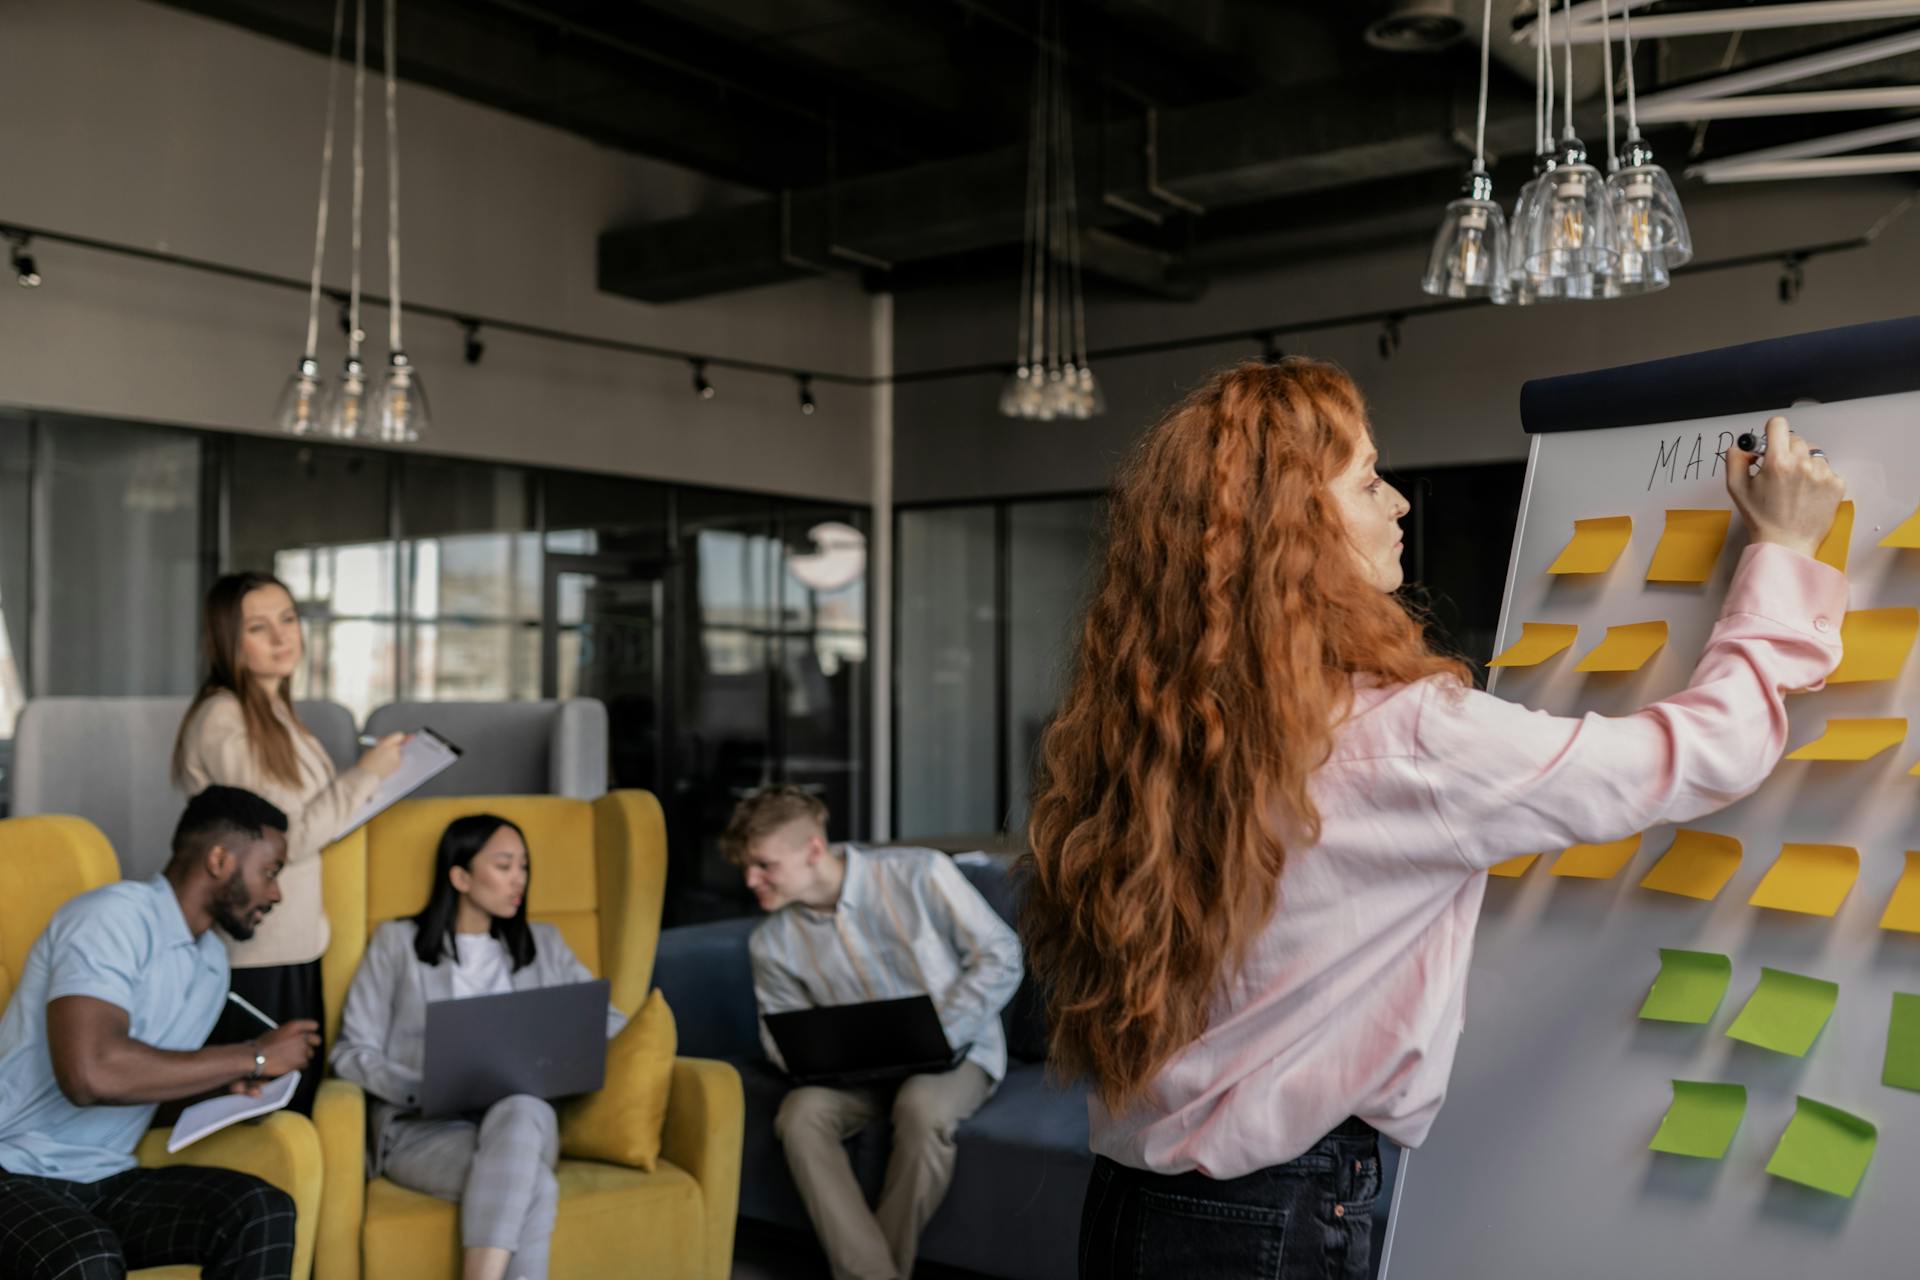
<point>888,135</point>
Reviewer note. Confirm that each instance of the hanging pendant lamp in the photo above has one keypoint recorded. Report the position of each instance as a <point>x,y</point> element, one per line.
<point>1569,232</point>
<point>345,415</point>
<point>298,411</point>
<point>403,400</point>
<point>1649,222</point>
<point>1469,254</point>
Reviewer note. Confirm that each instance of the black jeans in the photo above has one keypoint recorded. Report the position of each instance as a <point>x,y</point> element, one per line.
<point>233,1225</point>
<point>1308,1219</point>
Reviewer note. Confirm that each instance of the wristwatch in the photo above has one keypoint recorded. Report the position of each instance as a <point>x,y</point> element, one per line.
<point>259,1061</point>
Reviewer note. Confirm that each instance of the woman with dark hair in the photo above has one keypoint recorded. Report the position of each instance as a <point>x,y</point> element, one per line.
<point>1264,812</point>
<point>472,939</point>
<point>242,731</point>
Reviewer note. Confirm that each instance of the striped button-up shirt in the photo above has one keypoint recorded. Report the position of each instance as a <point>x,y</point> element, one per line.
<point>907,924</point>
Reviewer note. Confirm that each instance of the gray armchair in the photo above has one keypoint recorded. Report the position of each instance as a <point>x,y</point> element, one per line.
<point>511,748</point>
<point>110,760</point>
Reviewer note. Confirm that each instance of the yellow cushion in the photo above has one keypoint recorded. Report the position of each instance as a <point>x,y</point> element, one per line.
<point>44,861</point>
<point>611,1222</point>
<point>621,1123</point>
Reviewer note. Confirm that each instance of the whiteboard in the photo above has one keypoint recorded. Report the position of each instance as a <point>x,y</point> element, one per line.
<point>1538,1164</point>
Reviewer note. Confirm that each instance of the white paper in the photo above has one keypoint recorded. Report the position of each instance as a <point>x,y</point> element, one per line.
<point>215,1114</point>
<point>426,755</point>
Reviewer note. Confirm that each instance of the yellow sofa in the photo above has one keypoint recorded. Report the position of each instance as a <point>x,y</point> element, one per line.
<point>46,860</point>
<point>599,871</point>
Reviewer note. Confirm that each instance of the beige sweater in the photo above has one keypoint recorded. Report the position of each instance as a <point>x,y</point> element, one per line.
<point>218,750</point>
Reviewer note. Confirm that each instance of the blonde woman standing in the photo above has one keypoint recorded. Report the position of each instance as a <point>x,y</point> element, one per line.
<point>242,731</point>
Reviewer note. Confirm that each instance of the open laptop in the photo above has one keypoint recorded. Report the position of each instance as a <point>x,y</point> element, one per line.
<point>549,1042</point>
<point>870,1043</point>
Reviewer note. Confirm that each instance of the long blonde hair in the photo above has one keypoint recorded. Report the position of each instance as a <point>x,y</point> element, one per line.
<point>1215,660</point>
<point>221,624</point>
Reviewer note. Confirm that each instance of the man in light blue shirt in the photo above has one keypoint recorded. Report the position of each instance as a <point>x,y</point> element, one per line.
<point>107,1021</point>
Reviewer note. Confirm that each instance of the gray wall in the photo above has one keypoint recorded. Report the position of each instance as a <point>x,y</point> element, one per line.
<point>132,122</point>
<point>1451,394</point>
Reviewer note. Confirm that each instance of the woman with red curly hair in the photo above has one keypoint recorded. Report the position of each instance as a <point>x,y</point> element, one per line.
<point>1264,812</point>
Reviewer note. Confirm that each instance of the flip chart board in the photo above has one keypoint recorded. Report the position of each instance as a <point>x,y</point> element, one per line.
<point>1580,1139</point>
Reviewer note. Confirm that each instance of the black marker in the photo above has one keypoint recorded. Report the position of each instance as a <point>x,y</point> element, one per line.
<point>1757,445</point>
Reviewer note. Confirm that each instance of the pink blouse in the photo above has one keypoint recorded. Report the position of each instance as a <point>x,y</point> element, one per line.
<point>1349,1002</point>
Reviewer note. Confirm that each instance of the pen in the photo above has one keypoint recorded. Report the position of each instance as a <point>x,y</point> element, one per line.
<point>1757,445</point>
<point>368,740</point>
<point>240,1000</point>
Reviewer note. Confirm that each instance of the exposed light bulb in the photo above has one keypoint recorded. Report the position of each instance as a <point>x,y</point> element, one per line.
<point>298,412</point>
<point>345,417</point>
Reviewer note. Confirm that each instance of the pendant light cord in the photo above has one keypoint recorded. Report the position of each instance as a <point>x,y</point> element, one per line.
<point>1539,92</point>
<point>1626,35</point>
<point>1480,123</point>
<point>326,181</point>
<point>393,186</point>
<point>359,168</point>
<point>1030,232</point>
<point>1546,45</point>
<point>1566,90</point>
<point>1606,46</point>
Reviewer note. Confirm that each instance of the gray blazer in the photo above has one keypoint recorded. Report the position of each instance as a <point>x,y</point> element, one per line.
<point>383,1030</point>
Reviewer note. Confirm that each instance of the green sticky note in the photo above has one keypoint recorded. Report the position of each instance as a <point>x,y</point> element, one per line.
<point>1824,1148</point>
<point>1785,1012</point>
<point>1688,987</point>
<point>1702,1119</point>
<point>1903,1044</point>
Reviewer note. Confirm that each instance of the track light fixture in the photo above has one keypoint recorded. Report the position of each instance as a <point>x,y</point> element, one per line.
<point>475,347</point>
<point>807,405</point>
<point>1793,278</point>
<point>25,273</point>
<point>701,387</point>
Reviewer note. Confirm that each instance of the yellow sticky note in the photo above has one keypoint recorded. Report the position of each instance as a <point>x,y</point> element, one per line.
<point>1833,548</point>
<point>1690,546</point>
<point>1596,544</point>
<point>1907,536</point>
<point>1854,739</point>
<point>1538,642</point>
<point>1597,861</point>
<point>1697,865</point>
<point>1812,879</point>
<point>1626,648</point>
<point>1875,644</point>
<point>1903,908</point>
<point>1513,867</point>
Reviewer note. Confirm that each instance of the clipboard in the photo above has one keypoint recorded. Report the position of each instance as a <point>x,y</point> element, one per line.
<point>426,756</point>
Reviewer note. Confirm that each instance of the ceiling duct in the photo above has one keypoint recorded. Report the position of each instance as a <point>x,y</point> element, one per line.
<point>1416,26</point>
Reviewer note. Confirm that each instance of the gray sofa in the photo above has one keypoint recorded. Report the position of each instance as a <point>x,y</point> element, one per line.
<point>1014,1208</point>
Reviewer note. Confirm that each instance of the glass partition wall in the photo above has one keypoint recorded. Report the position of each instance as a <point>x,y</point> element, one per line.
<point>989,600</point>
<point>725,632</point>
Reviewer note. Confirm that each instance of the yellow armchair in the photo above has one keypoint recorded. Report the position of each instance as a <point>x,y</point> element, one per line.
<point>46,860</point>
<point>599,872</point>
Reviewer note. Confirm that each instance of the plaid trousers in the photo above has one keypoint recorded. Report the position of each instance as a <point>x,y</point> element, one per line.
<point>232,1224</point>
<point>500,1169</point>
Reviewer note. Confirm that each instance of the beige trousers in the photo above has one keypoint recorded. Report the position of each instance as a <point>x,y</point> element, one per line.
<point>877,1244</point>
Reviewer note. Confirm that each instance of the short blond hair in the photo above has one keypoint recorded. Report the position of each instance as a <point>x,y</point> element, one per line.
<point>763,812</point>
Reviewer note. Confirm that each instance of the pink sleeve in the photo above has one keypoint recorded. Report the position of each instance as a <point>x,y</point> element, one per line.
<point>1507,781</point>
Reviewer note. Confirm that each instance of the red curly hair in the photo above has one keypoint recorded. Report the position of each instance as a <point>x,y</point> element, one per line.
<point>1216,659</point>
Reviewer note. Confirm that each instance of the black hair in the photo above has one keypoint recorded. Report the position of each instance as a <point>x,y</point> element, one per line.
<point>434,926</point>
<point>222,815</point>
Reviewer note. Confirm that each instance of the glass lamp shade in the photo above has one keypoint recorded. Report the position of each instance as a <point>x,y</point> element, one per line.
<point>345,416</point>
<point>1637,274</point>
<point>1013,393</point>
<point>1569,228</point>
<point>1093,400</point>
<point>298,412</point>
<point>1649,224</point>
<point>1470,250</point>
<point>403,402</point>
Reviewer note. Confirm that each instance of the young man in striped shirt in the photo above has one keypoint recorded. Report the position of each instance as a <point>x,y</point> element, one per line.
<point>846,926</point>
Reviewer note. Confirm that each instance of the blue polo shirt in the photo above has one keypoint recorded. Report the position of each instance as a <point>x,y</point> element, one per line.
<point>128,944</point>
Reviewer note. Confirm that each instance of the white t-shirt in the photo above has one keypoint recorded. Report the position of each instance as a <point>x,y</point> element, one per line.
<point>483,967</point>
